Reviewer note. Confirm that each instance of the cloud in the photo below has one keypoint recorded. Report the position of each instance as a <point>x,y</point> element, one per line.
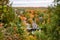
<point>31,0</point>
<point>31,3</point>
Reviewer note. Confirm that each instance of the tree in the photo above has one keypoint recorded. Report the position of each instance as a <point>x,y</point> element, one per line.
<point>52,29</point>
<point>11,22</point>
<point>3,8</point>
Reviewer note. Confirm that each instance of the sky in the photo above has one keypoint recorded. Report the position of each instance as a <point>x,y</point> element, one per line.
<point>31,3</point>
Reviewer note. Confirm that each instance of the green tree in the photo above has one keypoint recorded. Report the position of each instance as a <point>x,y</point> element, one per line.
<point>52,30</point>
<point>9,19</point>
<point>3,8</point>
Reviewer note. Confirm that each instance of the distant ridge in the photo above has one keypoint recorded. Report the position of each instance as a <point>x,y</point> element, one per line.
<point>32,7</point>
<point>42,9</point>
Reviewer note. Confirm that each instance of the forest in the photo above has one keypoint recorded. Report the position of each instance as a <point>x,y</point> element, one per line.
<point>29,23</point>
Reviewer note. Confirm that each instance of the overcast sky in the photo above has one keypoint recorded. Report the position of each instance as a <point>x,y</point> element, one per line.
<point>31,3</point>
